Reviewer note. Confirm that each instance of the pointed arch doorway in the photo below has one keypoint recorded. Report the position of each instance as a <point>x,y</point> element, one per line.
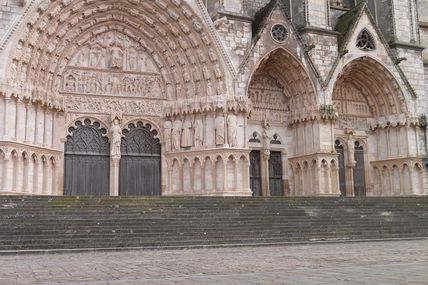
<point>140,164</point>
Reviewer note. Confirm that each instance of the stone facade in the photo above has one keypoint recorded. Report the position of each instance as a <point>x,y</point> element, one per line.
<point>220,98</point>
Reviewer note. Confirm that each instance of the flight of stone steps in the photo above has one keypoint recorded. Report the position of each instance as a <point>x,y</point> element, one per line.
<point>31,223</point>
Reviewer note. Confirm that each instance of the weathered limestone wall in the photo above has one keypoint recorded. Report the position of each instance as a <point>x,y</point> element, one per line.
<point>318,13</point>
<point>10,10</point>
<point>252,6</point>
<point>405,20</point>
<point>236,37</point>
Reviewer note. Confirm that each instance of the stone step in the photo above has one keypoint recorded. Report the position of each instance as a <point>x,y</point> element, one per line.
<point>79,222</point>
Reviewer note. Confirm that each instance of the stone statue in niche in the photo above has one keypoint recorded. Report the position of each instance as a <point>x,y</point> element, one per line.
<point>210,89</point>
<point>116,138</point>
<point>167,135</point>
<point>70,83</point>
<point>219,130</point>
<point>199,132</point>
<point>176,134</point>
<point>95,57</point>
<point>186,136</point>
<point>232,130</point>
<point>132,59</point>
<point>116,55</point>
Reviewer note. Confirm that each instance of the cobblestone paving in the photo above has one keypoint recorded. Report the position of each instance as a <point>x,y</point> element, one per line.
<point>394,262</point>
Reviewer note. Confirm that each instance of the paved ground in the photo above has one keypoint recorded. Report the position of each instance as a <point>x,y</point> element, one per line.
<point>395,262</point>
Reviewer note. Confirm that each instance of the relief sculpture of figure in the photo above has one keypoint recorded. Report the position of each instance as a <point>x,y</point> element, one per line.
<point>186,136</point>
<point>232,129</point>
<point>219,130</point>
<point>167,135</point>
<point>199,132</point>
<point>116,138</point>
<point>176,134</point>
<point>116,55</point>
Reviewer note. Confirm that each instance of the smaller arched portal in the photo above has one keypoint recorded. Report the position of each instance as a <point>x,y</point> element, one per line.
<point>366,95</point>
<point>280,89</point>
<point>87,162</point>
<point>140,164</point>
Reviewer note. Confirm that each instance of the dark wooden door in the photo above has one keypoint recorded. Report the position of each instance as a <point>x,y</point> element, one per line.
<point>342,177</point>
<point>140,165</point>
<point>86,159</point>
<point>275,174</point>
<point>359,171</point>
<point>255,173</point>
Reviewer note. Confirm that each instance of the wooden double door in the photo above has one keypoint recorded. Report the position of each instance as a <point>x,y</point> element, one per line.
<point>275,174</point>
<point>87,161</point>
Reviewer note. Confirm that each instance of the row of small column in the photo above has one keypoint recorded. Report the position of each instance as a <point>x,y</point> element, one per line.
<point>409,180</point>
<point>307,179</point>
<point>27,122</point>
<point>219,176</point>
<point>24,174</point>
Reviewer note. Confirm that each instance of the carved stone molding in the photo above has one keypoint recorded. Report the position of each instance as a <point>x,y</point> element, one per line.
<point>395,120</point>
<point>100,105</point>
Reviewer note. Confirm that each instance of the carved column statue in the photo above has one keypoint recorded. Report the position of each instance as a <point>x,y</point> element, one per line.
<point>265,159</point>
<point>232,129</point>
<point>219,130</point>
<point>186,135</point>
<point>351,164</point>
<point>115,155</point>
<point>167,135</point>
<point>176,135</point>
<point>199,132</point>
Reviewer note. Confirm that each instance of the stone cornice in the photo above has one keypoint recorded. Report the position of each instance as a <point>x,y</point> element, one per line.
<point>235,16</point>
<point>393,121</point>
<point>28,147</point>
<point>316,30</point>
<point>320,113</point>
<point>423,24</point>
<point>51,100</point>
<point>401,160</point>
<point>397,44</point>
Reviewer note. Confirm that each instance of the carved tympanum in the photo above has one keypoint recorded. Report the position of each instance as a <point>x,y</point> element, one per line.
<point>113,64</point>
<point>268,96</point>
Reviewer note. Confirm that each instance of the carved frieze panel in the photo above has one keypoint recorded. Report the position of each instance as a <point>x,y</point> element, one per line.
<point>102,105</point>
<point>115,65</point>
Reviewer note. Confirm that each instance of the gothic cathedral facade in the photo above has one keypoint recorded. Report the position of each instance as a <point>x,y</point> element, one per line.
<point>214,97</point>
